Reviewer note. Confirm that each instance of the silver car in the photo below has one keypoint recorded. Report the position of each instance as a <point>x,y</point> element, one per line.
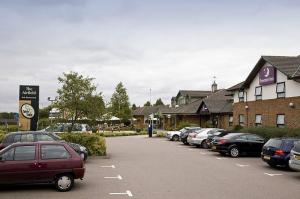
<point>294,161</point>
<point>199,137</point>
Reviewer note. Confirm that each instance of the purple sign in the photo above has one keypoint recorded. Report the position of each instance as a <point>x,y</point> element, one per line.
<point>267,75</point>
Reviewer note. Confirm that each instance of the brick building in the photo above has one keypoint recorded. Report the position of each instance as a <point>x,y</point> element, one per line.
<point>270,95</point>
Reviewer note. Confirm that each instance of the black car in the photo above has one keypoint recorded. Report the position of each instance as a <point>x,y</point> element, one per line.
<point>276,152</point>
<point>185,133</point>
<point>35,136</point>
<point>236,144</point>
<point>211,137</point>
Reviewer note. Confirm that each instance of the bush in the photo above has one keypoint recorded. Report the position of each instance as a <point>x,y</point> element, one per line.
<point>2,135</point>
<point>122,133</point>
<point>183,124</point>
<point>95,144</point>
<point>271,132</point>
<point>161,134</point>
<point>10,128</point>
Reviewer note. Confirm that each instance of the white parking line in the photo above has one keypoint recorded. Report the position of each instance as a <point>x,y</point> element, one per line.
<point>112,166</point>
<point>273,174</point>
<point>126,193</point>
<point>222,158</point>
<point>117,177</point>
<point>242,165</point>
<point>202,153</point>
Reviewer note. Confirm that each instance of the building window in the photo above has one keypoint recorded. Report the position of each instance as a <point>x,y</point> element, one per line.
<point>258,120</point>
<point>258,93</point>
<point>230,120</point>
<point>241,96</point>
<point>280,90</point>
<point>280,121</point>
<point>241,120</point>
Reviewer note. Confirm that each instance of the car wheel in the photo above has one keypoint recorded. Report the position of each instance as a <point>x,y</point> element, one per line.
<point>175,138</point>
<point>234,152</point>
<point>204,144</point>
<point>64,182</point>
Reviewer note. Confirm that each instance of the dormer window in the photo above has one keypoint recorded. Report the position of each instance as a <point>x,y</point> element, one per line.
<point>280,90</point>
<point>241,96</point>
<point>258,93</point>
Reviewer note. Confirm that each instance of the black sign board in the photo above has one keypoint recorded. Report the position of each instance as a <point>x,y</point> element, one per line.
<point>29,106</point>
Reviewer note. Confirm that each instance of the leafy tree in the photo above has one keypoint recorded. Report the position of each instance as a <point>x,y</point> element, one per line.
<point>159,102</point>
<point>120,106</point>
<point>147,103</point>
<point>44,112</point>
<point>77,96</point>
<point>133,107</point>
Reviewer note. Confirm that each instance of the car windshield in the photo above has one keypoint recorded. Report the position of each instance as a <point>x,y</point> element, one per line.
<point>183,130</point>
<point>276,143</point>
<point>288,145</point>
<point>297,147</point>
<point>200,130</point>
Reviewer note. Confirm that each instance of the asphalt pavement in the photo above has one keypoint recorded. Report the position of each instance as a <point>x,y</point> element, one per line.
<point>154,168</point>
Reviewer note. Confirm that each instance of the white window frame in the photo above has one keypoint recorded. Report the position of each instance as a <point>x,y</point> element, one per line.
<point>258,123</point>
<point>278,123</point>
<point>281,94</point>
<point>258,96</point>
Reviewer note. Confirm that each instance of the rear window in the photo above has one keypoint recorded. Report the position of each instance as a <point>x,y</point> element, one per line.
<point>274,143</point>
<point>231,135</point>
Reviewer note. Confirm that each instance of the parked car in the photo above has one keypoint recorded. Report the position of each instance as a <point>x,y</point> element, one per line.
<point>64,127</point>
<point>35,136</point>
<point>294,162</point>
<point>185,132</point>
<point>277,151</point>
<point>211,137</point>
<point>174,135</point>
<point>236,144</point>
<point>198,138</point>
<point>41,162</point>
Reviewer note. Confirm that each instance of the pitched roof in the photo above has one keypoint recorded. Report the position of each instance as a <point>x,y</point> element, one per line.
<point>290,66</point>
<point>236,87</point>
<point>147,110</point>
<point>194,93</point>
<point>219,102</point>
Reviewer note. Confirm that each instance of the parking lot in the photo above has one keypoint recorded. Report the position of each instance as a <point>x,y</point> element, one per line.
<point>140,167</point>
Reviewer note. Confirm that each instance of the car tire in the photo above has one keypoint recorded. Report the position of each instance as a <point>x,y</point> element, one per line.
<point>64,182</point>
<point>204,144</point>
<point>234,152</point>
<point>175,138</point>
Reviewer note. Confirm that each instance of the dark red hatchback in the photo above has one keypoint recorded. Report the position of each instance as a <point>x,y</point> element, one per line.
<point>41,162</point>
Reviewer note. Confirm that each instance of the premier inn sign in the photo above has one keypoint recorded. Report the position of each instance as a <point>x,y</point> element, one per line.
<point>267,75</point>
<point>28,107</point>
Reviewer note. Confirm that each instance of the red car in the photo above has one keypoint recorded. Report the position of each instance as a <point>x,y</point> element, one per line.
<point>41,162</point>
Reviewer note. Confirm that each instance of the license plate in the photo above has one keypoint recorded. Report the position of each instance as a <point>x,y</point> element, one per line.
<point>214,147</point>
<point>297,157</point>
<point>267,157</point>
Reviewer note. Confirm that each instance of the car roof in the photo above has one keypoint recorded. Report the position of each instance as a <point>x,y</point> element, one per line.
<point>36,143</point>
<point>285,138</point>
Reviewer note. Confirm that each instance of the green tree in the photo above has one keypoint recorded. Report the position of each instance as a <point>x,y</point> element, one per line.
<point>133,107</point>
<point>76,97</point>
<point>44,112</point>
<point>120,106</point>
<point>147,103</point>
<point>94,107</point>
<point>159,102</point>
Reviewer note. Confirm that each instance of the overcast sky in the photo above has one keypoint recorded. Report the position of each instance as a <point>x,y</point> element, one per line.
<point>166,45</point>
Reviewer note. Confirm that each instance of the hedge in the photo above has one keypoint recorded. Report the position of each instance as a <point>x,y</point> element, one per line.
<point>2,135</point>
<point>95,144</point>
<point>10,128</point>
<point>117,133</point>
<point>272,132</point>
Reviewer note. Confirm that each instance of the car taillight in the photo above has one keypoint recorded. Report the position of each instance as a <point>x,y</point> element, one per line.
<point>222,141</point>
<point>279,152</point>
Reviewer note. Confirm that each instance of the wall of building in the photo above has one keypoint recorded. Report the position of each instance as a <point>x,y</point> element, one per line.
<point>269,110</point>
<point>269,91</point>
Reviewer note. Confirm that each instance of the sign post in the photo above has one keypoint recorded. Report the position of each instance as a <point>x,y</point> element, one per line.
<point>28,107</point>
